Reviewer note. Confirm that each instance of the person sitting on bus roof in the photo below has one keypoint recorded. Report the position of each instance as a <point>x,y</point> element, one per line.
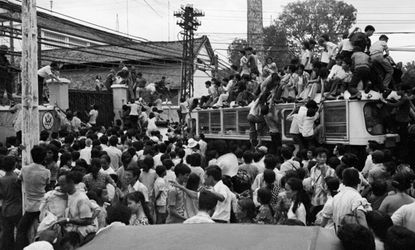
<point>340,81</point>
<point>303,78</point>
<point>313,85</point>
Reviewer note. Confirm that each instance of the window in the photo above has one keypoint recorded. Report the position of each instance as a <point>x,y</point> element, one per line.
<point>286,123</point>
<point>373,119</point>
<point>335,120</point>
<point>204,122</point>
<point>229,122</point>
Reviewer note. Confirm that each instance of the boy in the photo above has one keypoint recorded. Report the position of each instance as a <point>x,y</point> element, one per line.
<point>11,194</point>
<point>175,199</point>
<point>361,72</point>
<point>329,52</point>
<point>340,81</point>
<point>377,55</point>
<point>317,175</point>
<point>160,194</point>
<point>35,178</point>
<point>207,204</point>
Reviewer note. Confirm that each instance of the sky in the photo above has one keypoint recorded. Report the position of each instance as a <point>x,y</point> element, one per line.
<point>225,20</point>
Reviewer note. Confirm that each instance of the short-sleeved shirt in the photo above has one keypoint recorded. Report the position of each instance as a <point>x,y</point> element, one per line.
<point>229,164</point>
<point>45,71</point>
<point>93,114</point>
<point>317,176</point>
<point>11,193</point>
<point>138,186</point>
<point>80,207</point>
<point>223,208</point>
<point>97,183</point>
<point>160,186</point>
<point>175,198</point>
<point>35,178</point>
<point>115,155</point>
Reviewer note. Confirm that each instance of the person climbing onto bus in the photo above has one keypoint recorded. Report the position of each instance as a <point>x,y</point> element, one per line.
<point>361,72</point>
<point>378,51</point>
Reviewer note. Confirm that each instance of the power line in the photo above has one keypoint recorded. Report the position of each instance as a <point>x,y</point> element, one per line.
<point>151,7</point>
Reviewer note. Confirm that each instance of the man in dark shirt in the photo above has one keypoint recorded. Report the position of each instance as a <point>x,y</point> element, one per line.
<point>252,61</point>
<point>5,74</point>
<point>10,192</point>
<point>362,39</point>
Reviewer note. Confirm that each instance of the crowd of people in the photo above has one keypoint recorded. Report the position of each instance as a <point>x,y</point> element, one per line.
<point>83,183</point>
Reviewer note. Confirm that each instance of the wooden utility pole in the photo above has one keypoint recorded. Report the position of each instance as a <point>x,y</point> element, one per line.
<point>255,27</point>
<point>30,108</point>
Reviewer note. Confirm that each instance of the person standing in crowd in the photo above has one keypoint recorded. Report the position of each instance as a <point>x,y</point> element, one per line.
<point>114,153</point>
<point>44,73</point>
<point>306,57</point>
<point>93,115</point>
<point>207,204</point>
<point>140,85</point>
<point>349,200</point>
<point>175,199</point>
<point>329,51</point>
<point>11,209</point>
<point>35,177</point>
<point>140,213</point>
<point>213,178</point>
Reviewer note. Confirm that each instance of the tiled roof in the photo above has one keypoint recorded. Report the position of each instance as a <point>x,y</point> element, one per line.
<point>133,52</point>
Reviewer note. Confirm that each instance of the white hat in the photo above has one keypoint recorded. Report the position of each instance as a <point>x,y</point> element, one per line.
<point>263,149</point>
<point>191,143</point>
<point>155,139</point>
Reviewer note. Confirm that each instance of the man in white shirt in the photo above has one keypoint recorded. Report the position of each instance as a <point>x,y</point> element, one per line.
<point>93,114</point>
<point>202,144</point>
<point>405,216</point>
<point>349,200</point>
<point>45,73</point>
<point>376,55</point>
<point>131,176</point>
<point>85,153</point>
<point>114,153</point>
<point>207,204</point>
<point>227,162</point>
<point>213,178</point>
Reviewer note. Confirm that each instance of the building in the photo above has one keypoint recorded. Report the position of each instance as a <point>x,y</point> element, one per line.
<point>153,59</point>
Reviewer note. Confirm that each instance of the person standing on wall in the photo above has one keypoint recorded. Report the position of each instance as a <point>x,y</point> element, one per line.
<point>47,72</point>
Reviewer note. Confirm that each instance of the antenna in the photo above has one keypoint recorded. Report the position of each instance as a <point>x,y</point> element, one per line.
<point>117,23</point>
<point>51,5</point>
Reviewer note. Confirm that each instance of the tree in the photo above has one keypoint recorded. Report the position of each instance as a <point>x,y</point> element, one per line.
<point>237,45</point>
<point>276,45</point>
<point>311,18</point>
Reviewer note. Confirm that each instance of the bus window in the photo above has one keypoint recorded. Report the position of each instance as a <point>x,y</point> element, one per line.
<point>243,125</point>
<point>215,123</point>
<point>229,122</point>
<point>335,120</point>
<point>373,119</point>
<point>204,122</point>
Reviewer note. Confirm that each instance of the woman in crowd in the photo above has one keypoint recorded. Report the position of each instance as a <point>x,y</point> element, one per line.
<point>300,200</point>
<point>140,213</point>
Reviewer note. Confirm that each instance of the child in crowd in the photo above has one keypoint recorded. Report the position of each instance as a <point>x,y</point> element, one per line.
<point>160,194</point>
<point>266,213</point>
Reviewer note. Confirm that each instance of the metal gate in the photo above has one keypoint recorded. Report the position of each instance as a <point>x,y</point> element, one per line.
<point>81,101</point>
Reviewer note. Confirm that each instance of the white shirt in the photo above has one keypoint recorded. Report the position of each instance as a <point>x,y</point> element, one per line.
<point>108,171</point>
<point>45,71</point>
<point>203,147</point>
<point>346,45</point>
<point>134,109</point>
<point>405,216</point>
<point>302,112</point>
<point>229,164</point>
<point>300,213</point>
<point>39,245</point>
<point>85,154</point>
<point>336,71</point>
<point>345,202</point>
<point>200,218</point>
<point>223,208</point>
<point>306,59</point>
<point>157,159</point>
<point>330,53</point>
<point>289,165</point>
<point>308,125</point>
<point>115,156</point>
<point>93,114</point>
<point>378,47</point>
<point>138,186</point>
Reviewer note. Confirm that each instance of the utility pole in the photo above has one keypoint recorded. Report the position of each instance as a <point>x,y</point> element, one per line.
<point>29,65</point>
<point>188,21</point>
<point>255,27</point>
